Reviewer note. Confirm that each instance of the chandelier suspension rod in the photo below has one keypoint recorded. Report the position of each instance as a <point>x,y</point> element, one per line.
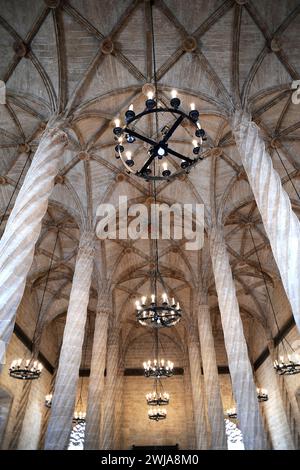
<point>268,293</point>
<point>15,188</point>
<point>46,283</point>
<point>288,175</point>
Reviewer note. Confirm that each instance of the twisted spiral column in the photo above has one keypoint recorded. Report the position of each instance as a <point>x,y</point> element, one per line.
<point>280,222</point>
<point>244,388</point>
<point>197,392</point>
<point>64,397</point>
<point>96,381</point>
<point>211,379</point>
<point>108,415</point>
<point>24,225</point>
<point>46,414</point>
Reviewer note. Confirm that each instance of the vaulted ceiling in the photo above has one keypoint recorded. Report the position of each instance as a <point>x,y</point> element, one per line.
<point>89,60</point>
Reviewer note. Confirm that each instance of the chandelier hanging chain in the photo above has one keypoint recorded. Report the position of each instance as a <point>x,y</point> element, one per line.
<point>25,372</point>
<point>46,283</point>
<point>158,145</point>
<point>15,188</point>
<point>288,175</point>
<point>268,293</point>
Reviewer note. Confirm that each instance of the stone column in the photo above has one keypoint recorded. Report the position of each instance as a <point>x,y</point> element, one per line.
<point>108,410</point>
<point>64,397</point>
<point>244,388</point>
<point>211,380</point>
<point>201,432</point>
<point>23,227</point>
<point>280,222</point>
<point>96,382</point>
<point>119,406</point>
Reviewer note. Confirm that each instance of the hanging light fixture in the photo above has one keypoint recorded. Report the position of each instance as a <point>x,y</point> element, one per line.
<point>289,362</point>
<point>158,368</point>
<point>232,413</point>
<point>159,147</point>
<point>24,370</point>
<point>158,396</point>
<point>156,314</point>
<point>157,413</point>
<point>262,394</point>
<point>30,369</point>
<point>48,400</point>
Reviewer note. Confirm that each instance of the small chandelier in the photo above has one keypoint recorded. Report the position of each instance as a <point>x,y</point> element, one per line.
<point>48,400</point>
<point>158,148</point>
<point>79,417</point>
<point>231,413</point>
<point>158,368</point>
<point>262,394</point>
<point>157,414</point>
<point>289,365</point>
<point>20,369</point>
<point>156,397</point>
<point>158,315</point>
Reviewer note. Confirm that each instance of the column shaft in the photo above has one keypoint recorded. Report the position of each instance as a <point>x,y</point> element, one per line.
<point>280,222</point>
<point>23,228</point>
<point>96,381</point>
<point>238,361</point>
<point>211,380</point>
<point>108,414</point>
<point>198,398</point>
<point>64,397</point>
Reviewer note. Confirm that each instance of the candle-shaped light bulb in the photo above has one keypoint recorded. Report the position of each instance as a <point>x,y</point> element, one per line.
<point>198,125</point>
<point>120,140</point>
<point>27,362</point>
<point>164,297</point>
<point>117,122</point>
<point>144,298</point>
<point>195,143</point>
<point>174,93</point>
<point>128,155</point>
<point>165,166</point>
<point>178,306</point>
<point>152,298</point>
<point>131,107</point>
<point>193,107</point>
<point>162,362</point>
<point>150,95</point>
<point>281,358</point>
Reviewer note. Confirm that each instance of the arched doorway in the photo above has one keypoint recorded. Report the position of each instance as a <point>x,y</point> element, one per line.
<point>5,405</point>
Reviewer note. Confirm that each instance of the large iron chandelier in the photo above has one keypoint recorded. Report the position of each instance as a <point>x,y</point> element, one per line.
<point>289,362</point>
<point>231,413</point>
<point>158,368</point>
<point>158,396</point>
<point>157,413</point>
<point>262,394</point>
<point>25,370</point>
<point>156,314</point>
<point>140,159</point>
<point>30,369</point>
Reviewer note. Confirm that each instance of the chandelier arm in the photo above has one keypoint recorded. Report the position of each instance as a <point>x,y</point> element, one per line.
<point>139,136</point>
<point>173,129</point>
<point>148,162</point>
<point>182,157</point>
